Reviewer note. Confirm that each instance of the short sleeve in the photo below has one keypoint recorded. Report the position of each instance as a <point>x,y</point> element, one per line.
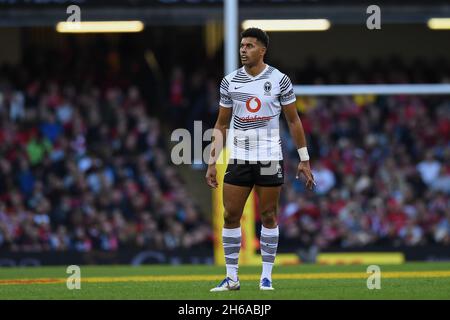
<point>287,94</point>
<point>225,98</point>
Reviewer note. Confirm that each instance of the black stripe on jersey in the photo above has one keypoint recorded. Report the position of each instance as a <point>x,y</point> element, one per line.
<point>284,89</point>
<point>248,128</point>
<point>238,97</point>
<point>245,145</point>
<point>241,142</point>
<point>243,122</point>
<point>284,79</point>
<point>224,84</point>
<point>244,81</point>
<point>245,125</point>
<point>241,77</point>
<point>241,95</point>
<point>266,74</point>
<point>284,84</point>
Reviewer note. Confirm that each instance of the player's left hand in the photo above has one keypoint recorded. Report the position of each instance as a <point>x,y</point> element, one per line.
<point>304,168</point>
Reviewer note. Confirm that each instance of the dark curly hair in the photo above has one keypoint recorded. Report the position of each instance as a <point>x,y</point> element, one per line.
<point>259,34</point>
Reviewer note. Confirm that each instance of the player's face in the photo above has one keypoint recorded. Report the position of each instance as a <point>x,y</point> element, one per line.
<point>251,51</point>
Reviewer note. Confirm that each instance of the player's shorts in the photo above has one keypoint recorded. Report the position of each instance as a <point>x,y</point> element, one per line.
<point>249,173</point>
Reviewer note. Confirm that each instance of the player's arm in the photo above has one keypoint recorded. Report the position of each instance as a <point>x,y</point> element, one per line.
<point>298,135</point>
<point>218,141</point>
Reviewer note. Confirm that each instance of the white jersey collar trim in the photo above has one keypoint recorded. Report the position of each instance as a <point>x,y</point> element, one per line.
<point>258,75</point>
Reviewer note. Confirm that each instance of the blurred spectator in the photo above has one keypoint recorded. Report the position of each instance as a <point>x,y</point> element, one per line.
<point>442,182</point>
<point>429,168</point>
<point>323,177</point>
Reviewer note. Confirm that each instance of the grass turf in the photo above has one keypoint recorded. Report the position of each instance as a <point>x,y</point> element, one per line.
<point>407,281</point>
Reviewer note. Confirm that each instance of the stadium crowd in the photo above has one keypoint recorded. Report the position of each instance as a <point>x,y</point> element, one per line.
<point>382,168</point>
<point>85,164</point>
<point>87,168</point>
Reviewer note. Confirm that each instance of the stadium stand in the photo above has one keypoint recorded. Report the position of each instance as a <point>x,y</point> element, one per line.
<point>85,162</point>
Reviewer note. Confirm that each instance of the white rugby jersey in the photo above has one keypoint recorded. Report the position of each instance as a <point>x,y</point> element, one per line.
<point>256,102</point>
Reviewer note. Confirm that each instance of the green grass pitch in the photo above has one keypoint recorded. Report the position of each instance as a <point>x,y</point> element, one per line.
<point>302,282</point>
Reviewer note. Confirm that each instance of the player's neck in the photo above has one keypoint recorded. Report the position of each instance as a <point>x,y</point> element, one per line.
<point>256,69</point>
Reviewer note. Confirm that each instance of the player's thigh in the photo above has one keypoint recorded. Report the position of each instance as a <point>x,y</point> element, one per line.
<point>235,197</point>
<point>268,173</point>
<point>268,197</point>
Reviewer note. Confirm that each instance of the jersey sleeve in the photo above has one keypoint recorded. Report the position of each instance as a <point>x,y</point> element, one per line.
<point>225,98</point>
<point>287,94</point>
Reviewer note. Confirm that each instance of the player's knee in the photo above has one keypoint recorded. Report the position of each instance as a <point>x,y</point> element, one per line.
<point>269,215</point>
<point>231,217</point>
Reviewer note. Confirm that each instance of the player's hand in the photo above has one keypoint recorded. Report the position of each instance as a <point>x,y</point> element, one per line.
<point>303,168</point>
<point>211,174</point>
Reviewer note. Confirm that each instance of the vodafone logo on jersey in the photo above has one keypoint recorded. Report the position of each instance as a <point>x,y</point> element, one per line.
<point>253,104</point>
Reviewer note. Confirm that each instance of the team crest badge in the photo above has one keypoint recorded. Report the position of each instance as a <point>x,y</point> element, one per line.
<point>267,88</point>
